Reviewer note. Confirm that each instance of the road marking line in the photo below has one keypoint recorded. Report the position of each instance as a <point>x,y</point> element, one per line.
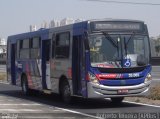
<point>47,117</point>
<point>71,111</point>
<point>4,82</point>
<point>21,110</point>
<point>76,112</point>
<point>19,104</point>
<point>9,100</point>
<point>142,104</point>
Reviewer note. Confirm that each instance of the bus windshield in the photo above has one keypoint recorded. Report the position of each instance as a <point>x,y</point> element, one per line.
<point>111,50</point>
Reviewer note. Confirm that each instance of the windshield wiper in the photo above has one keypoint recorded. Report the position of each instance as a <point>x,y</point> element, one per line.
<point>126,43</point>
<point>115,44</point>
<point>125,46</point>
<point>110,39</point>
<point>130,38</point>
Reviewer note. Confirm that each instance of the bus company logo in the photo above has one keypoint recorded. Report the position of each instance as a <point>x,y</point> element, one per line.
<point>107,76</point>
<point>105,66</point>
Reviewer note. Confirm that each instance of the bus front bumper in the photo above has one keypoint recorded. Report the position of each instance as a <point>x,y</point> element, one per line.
<point>101,91</point>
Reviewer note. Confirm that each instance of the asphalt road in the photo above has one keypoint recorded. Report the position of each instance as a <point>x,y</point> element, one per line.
<point>15,105</point>
<point>40,106</point>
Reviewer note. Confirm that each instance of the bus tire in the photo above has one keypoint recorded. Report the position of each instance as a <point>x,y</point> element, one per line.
<point>24,85</point>
<point>117,100</point>
<point>65,92</point>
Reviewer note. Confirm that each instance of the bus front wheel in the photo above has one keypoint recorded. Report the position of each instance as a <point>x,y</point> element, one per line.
<point>117,100</point>
<point>65,92</point>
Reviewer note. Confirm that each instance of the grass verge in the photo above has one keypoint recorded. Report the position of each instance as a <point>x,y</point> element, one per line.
<point>153,98</point>
<point>154,93</point>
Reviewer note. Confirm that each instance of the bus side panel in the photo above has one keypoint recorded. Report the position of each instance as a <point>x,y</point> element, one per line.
<point>60,67</point>
<point>36,74</point>
<point>19,63</point>
<point>31,69</point>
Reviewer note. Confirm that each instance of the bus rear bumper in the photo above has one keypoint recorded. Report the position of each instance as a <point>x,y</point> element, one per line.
<point>101,91</point>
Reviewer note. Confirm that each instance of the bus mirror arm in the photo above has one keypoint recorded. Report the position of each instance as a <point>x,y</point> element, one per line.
<point>85,35</point>
<point>86,42</point>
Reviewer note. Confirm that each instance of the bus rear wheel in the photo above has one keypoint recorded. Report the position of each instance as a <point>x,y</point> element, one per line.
<point>117,100</point>
<point>24,84</point>
<point>65,92</point>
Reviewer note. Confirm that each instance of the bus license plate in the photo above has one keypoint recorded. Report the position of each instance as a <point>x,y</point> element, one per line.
<point>122,91</point>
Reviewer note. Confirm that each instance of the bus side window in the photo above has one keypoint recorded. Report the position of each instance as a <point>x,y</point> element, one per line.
<point>35,48</point>
<point>62,45</point>
<point>24,49</point>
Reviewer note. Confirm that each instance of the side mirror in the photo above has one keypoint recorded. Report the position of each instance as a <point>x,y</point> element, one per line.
<point>141,60</point>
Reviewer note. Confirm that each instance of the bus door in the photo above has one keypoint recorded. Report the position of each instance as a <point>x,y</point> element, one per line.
<point>46,82</point>
<point>78,66</point>
<point>13,67</point>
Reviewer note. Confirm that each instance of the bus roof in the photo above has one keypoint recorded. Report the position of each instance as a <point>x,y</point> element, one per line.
<point>39,32</point>
<point>110,19</point>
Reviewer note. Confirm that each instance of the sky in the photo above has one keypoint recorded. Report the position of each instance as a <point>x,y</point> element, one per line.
<point>18,15</point>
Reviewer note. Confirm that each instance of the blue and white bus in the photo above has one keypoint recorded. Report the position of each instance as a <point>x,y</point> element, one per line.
<point>89,59</point>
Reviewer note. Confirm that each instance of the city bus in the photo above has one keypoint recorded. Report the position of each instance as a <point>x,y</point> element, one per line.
<point>94,59</point>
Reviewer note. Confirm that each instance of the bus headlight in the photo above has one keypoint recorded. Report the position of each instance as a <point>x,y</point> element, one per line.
<point>92,78</point>
<point>148,78</point>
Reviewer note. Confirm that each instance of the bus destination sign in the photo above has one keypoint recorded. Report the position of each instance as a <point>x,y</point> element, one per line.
<point>116,26</point>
